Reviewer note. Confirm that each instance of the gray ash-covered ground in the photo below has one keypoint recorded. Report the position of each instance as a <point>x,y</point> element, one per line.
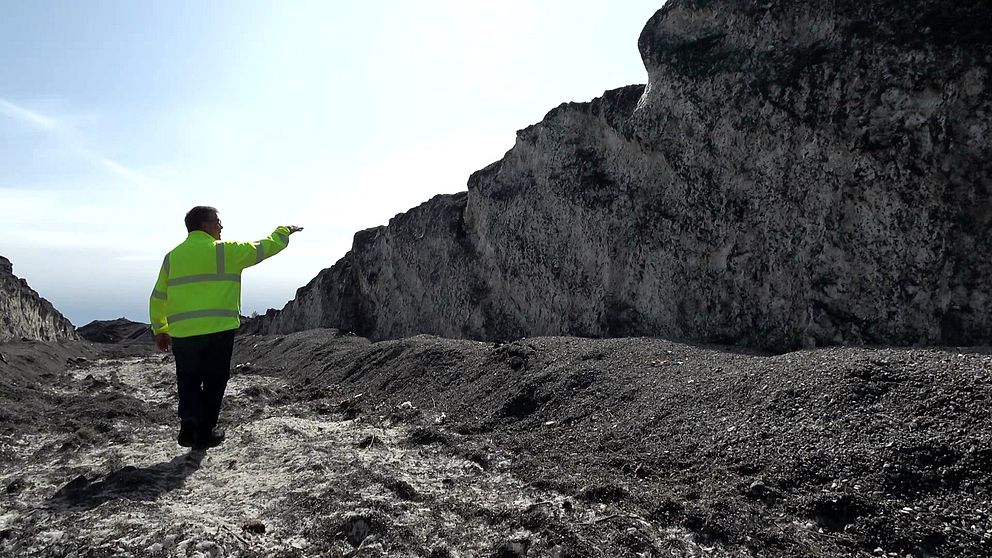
<point>539,447</point>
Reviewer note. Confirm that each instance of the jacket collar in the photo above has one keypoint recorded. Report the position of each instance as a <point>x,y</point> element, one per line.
<point>200,236</point>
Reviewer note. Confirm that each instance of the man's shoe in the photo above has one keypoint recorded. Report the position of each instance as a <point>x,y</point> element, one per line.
<point>187,434</point>
<point>210,439</point>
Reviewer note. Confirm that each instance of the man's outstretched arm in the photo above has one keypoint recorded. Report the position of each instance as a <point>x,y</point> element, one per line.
<point>247,254</point>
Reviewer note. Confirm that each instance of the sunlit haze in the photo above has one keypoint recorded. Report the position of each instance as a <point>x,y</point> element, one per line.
<point>117,117</point>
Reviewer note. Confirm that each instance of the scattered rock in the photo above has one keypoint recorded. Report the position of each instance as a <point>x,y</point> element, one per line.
<point>403,489</point>
<point>424,435</point>
<point>440,552</point>
<point>603,493</point>
<point>355,529</point>
<point>352,407</point>
<point>512,549</point>
<point>536,518</point>
<point>371,441</point>
<point>16,486</point>
<point>253,527</point>
<point>760,491</point>
<point>405,413</point>
<point>835,512</point>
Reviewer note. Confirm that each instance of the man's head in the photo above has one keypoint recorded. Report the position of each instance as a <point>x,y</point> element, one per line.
<point>204,218</point>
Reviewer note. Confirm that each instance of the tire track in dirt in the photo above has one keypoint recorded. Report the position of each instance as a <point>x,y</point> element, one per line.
<point>286,482</point>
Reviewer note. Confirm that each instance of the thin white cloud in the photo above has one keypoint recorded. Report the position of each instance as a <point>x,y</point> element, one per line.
<point>22,114</point>
<point>68,137</point>
<point>132,175</point>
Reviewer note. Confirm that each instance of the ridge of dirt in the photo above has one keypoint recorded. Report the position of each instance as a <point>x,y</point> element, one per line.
<point>326,474</point>
<point>540,447</point>
<point>833,452</point>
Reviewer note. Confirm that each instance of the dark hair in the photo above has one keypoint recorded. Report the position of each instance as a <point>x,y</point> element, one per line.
<point>196,216</point>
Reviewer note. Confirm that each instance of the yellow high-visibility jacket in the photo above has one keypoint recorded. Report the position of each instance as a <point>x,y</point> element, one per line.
<point>199,286</point>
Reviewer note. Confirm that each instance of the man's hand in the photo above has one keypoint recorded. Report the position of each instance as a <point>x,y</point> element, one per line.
<point>163,341</point>
<point>294,228</point>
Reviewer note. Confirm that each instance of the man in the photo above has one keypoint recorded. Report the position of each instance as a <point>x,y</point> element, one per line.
<point>196,308</point>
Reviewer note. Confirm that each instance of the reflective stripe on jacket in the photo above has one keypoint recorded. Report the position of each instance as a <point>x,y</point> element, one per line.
<point>199,285</point>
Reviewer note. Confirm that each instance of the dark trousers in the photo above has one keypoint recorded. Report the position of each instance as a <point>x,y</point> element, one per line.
<point>203,366</point>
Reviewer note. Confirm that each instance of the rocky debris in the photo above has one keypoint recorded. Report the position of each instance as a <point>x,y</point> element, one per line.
<point>255,527</point>
<point>829,452</point>
<point>121,330</point>
<point>512,549</point>
<point>793,174</point>
<point>31,368</point>
<point>340,447</point>
<point>286,482</point>
<point>25,315</point>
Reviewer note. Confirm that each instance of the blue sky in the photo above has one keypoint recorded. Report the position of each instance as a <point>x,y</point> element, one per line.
<point>116,117</point>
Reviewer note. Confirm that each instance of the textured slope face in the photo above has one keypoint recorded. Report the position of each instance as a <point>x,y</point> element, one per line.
<point>24,314</point>
<point>839,156</point>
<point>792,174</point>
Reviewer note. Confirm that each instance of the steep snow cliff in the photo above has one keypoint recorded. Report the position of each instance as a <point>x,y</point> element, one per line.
<point>793,174</point>
<point>23,313</point>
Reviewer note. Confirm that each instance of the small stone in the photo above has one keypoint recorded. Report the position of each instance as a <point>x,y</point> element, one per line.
<point>15,486</point>
<point>254,527</point>
<point>512,549</point>
<point>356,529</point>
<point>757,489</point>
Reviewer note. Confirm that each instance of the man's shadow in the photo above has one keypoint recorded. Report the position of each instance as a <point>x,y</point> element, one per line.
<point>142,484</point>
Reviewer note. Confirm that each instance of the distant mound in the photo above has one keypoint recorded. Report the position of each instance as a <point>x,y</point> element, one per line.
<point>116,331</point>
<point>24,314</point>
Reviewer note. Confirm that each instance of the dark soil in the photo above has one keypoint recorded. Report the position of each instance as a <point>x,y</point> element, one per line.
<point>829,452</point>
<point>30,369</point>
<point>539,447</point>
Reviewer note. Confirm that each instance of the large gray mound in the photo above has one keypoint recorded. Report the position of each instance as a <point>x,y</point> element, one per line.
<point>793,174</point>
<point>24,314</point>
